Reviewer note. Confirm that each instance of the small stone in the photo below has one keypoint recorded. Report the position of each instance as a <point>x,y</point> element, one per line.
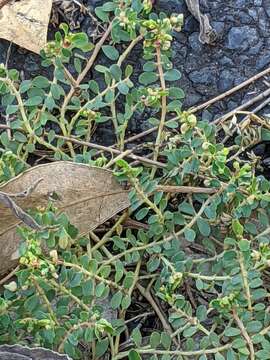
<point>245,18</point>
<point>192,99</point>
<point>225,61</point>
<point>240,38</point>
<point>226,80</point>
<point>231,105</point>
<point>194,42</point>
<point>207,115</point>
<point>266,5</point>
<point>32,63</point>
<point>253,13</point>
<point>259,150</point>
<point>263,21</point>
<point>258,2</point>
<point>255,49</point>
<point>191,24</point>
<point>239,4</point>
<point>177,6</point>
<point>218,26</point>
<point>204,76</point>
<point>242,59</point>
<point>239,79</point>
<point>263,61</point>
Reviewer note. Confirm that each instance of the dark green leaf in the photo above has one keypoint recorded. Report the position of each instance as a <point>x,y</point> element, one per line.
<point>172,75</point>
<point>190,235</point>
<point>111,52</point>
<point>147,78</point>
<point>34,101</point>
<point>133,355</point>
<point>116,72</point>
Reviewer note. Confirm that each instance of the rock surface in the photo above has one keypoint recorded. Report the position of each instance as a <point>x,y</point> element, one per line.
<point>241,51</point>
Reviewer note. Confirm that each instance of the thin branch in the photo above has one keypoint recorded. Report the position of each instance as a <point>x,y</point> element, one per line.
<point>176,352</point>
<point>185,189</point>
<point>244,333</point>
<point>9,276</point>
<point>113,151</point>
<point>163,109</point>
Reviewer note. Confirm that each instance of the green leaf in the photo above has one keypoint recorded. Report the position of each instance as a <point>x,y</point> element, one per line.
<point>174,105</point>
<point>238,229</point>
<point>262,354</point>
<point>141,214</point>
<point>176,93</point>
<point>25,86</point>
<point>204,227</point>
<point>265,134</point>
<point>80,40</point>
<point>149,66</point>
<point>116,72</point>
<point>88,288</point>
<point>190,331</point>
<point>128,70</point>
<point>154,340</point>
<point>111,52</point>
<point>172,75</point>
<point>147,78</point>
<point>50,103</point>
<point>20,137</point>
<point>101,347</point>
<point>57,91</point>
<point>254,326</point>
<point>230,331</point>
<point>244,245</point>
<point>100,289</point>
<point>166,340</point>
<point>123,88</point>
<point>126,302</point>
<point>51,136</point>
<point>11,109</point>
<point>31,303</point>
<point>128,281</point>
<point>201,313</point>
<point>34,101</point>
<point>41,82</point>
<point>190,235</point>
<point>109,6</point>
<point>30,148</point>
<point>102,69</point>
<point>89,335</point>
<point>102,15</point>
<point>116,300</point>
<point>153,264</point>
<point>94,87</point>
<point>136,337</point>
<point>219,356</point>
<point>133,355</point>
<point>78,65</point>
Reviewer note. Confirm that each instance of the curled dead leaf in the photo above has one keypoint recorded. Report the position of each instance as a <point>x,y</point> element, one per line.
<point>18,352</point>
<point>88,195</point>
<point>25,23</point>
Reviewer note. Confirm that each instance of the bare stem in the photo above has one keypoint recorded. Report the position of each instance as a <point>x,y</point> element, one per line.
<point>244,333</point>
<point>163,109</point>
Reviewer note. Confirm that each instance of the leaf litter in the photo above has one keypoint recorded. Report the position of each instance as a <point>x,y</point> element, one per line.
<point>88,195</point>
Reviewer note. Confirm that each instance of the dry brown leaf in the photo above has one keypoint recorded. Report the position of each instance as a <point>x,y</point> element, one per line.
<point>25,23</point>
<point>19,352</point>
<point>88,195</point>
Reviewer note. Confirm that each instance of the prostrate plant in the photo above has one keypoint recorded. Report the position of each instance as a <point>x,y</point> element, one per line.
<point>197,249</point>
